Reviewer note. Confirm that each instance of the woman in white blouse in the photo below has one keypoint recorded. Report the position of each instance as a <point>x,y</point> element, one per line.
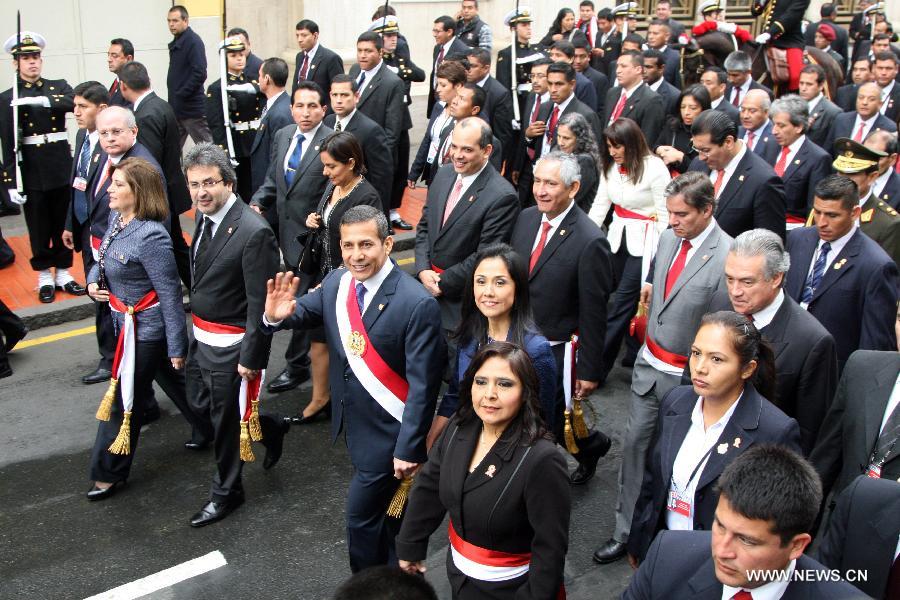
<point>631,192</point>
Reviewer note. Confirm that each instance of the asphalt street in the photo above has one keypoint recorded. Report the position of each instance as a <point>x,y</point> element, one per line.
<point>287,541</point>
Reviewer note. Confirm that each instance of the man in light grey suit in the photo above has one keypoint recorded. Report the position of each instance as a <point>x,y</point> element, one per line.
<point>295,184</point>
<point>688,272</point>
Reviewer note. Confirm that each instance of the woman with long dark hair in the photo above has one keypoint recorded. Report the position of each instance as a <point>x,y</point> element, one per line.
<point>675,144</point>
<point>342,162</point>
<point>703,427</point>
<point>502,480</point>
<point>575,136</point>
<point>632,185</point>
<point>496,306</point>
<point>564,27</point>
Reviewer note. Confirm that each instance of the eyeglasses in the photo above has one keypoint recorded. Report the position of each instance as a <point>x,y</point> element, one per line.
<point>111,132</point>
<point>203,185</point>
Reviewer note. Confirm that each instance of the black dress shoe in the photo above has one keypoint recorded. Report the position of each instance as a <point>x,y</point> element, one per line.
<point>275,444</point>
<point>150,416</point>
<point>215,511</point>
<point>609,551</point>
<point>399,223</point>
<point>100,375</point>
<point>301,420</point>
<point>47,294</point>
<point>7,210</point>
<point>73,288</point>
<point>588,458</point>
<point>287,381</point>
<point>97,493</point>
<point>196,446</point>
<point>5,369</point>
<point>15,338</point>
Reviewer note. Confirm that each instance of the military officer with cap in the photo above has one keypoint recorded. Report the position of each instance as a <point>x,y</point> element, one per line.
<point>713,13</point>
<point>625,15</point>
<point>245,111</point>
<point>40,108</point>
<point>877,218</point>
<point>519,22</point>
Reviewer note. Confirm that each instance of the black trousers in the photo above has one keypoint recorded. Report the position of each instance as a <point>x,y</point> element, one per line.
<point>370,532</point>
<point>244,179</point>
<point>7,256</point>
<point>214,400</point>
<point>595,438</point>
<point>10,324</point>
<point>106,335</point>
<point>196,127</point>
<point>401,170</point>
<point>627,272</point>
<point>45,216</point>
<point>297,353</point>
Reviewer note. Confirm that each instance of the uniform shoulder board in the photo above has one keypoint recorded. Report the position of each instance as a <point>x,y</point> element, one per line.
<point>867,215</point>
<point>887,208</point>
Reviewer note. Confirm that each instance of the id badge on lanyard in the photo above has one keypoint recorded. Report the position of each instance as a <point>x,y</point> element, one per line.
<point>678,505</point>
<point>80,184</point>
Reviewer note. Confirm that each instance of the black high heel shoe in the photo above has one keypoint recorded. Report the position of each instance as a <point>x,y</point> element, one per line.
<point>301,420</point>
<point>97,493</point>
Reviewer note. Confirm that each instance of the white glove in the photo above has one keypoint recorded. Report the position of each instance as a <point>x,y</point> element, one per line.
<point>16,197</point>
<point>763,38</point>
<point>36,101</point>
<point>515,125</point>
<point>726,27</point>
<point>247,88</point>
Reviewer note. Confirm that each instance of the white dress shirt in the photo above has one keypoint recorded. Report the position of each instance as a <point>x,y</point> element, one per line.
<point>836,247</point>
<point>468,180</point>
<point>763,317</point>
<point>879,184</point>
<point>307,138</point>
<point>140,99</point>
<point>369,75</point>
<point>744,89</point>
<point>792,151</point>
<point>555,222</point>
<point>891,405</point>
<point>344,121</point>
<point>373,283</point>
<point>215,219</point>
<point>867,125</point>
<point>730,168</point>
<point>815,102</point>
<point>270,102</point>
<point>757,135</point>
<point>773,590</point>
<point>696,448</point>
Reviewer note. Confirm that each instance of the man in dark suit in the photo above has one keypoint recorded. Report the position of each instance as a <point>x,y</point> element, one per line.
<point>753,532</point>
<point>564,51</point>
<point>738,66</point>
<point>633,99</point>
<point>658,34</point>
<point>886,68</point>
<point>314,62</point>
<point>468,102</point>
<point>561,85</point>
<point>294,185</point>
<point>386,314</point>
<point>608,44</point>
<point>827,12</point>
<point>469,206</point>
<point>861,536</point>
<point>372,138</point>
<point>822,111</point>
<point>381,98</point>
<point>840,275</point>
<point>715,80</point>
<point>158,132</point>
<point>234,253</point>
<point>860,73</point>
<point>654,68</point>
<point>799,162</point>
<point>886,187</point>
<point>570,279</point>
<point>81,233</point>
<point>498,108</point>
<point>446,46</point>
<point>582,64</point>
<point>185,77</point>
<point>276,115</point>
<point>749,194</point>
<point>121,51</point>
<point>532,127</point>
<point>858,124</point>
<point>756,128</point>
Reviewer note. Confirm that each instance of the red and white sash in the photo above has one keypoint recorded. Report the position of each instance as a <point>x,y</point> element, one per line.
<point>387,387</point>
<point>485,564</point>
<point>95,247</point>
<point>248,393</point>
<point>650,237</point>
<point>123,361</point>
<point>570,352</point>
<point>216,335</point>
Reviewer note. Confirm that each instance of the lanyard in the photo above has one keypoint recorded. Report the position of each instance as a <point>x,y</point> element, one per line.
<point>693,473</point>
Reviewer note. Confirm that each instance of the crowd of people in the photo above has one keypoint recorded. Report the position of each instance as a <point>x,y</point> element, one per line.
<point>741,240</point>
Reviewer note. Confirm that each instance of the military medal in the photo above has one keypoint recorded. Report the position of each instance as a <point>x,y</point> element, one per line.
<point>357,344</point>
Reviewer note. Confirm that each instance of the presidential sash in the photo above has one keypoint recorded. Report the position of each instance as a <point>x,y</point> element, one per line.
<point>381,382</point>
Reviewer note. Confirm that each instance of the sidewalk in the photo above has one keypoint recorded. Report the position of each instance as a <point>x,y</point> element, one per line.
<point>18,283</point>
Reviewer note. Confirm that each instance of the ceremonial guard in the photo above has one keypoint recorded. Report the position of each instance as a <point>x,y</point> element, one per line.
<point>37,161</point>
<point>387,358</point>
<point>783,37</point>
<point>713,13</point>
<point>235,134</point>
<point>519,21</point>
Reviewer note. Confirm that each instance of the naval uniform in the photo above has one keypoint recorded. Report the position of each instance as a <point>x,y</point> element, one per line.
<point>523,71</point>
<point>400,62</point>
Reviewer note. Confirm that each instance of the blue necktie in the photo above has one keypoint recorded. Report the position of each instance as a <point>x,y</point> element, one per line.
<point>812,282</point>
<point>80,197</point>
<point>360,82</point>
<point>294,161</point>
<point>360,296</point>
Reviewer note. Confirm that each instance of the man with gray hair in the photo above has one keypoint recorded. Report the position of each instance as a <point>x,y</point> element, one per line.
<point>233,254</point>
<point>570,281</point>
<point>690,260</point>
<point>756,128</point>
<point>739,66</point>
<point>805,356</point>
<point>799,162</point>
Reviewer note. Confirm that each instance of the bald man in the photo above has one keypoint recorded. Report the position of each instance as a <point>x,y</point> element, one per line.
<point>858,124</point>
<point>756,127</point>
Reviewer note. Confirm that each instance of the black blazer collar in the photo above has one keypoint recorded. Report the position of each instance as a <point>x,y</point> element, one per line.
<point>468,199</point>
<point>494,463</point>
<point>224,232</point>
<point>737,435</point>
<point>559,236</point>
<point>382,297</point>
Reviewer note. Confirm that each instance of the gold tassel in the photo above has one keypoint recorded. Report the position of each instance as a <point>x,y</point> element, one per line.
<point>578,424</point>
<point>255,429</point>
<point>122,443</point>
<point>104,411</point>
<point>395,509</point>
<point>571,446</point>
<point>246,450</point>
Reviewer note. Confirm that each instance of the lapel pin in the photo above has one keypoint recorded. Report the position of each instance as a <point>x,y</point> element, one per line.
<point>704,257</point>
<point>797,162</point>
<point>312,66</point>
<point>737,442</point>
<point>840,263</point>
<point>96,158</point>
<point>562,232</point>
<point>381,307</point>
<point>316,148</point>
<point>741,178</point>
<point>472,198</point>
<point>230,229</point>
<point>490,471</point>
<point>723,448</point>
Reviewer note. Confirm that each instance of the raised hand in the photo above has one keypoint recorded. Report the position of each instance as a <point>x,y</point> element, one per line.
<point>281,296</point>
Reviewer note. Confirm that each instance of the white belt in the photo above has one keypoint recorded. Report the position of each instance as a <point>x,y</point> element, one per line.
<point>217,340</point>
<point>246,125</point>
<point>45,138</point>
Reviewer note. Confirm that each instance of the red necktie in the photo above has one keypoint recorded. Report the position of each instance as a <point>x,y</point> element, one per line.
<point>104,175</point>
<point>534,116</point>
<point>677,267</point>
<point>440,58</point>
<point>536,253</point>
<point>620,106</point>
<point>750,137</point>
<point>718,184</point>
<point>737,97</point>
<point>304,68</point>
<point>114,87</point>
<point>452,200</point>
<point>742,595</point>
<point>859,133</point>
<point>781,165</point>
<point>551,127</point>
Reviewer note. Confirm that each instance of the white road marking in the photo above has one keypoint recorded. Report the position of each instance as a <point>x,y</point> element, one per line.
<point>165,578</point>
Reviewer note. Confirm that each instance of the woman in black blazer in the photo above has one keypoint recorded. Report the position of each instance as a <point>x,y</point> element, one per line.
<point>576,137</point>
<point>342,162</point>
<point>703,428</point>
<point>503,482</point>
<point>675,142</point>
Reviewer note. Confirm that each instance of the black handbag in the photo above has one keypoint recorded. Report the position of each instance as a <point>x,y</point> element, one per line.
<point>311,256</point>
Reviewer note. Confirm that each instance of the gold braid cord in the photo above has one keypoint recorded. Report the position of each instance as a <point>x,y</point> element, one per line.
<point>578,424</point>
<point>398,502</point>
<point>255,429</point>
<point>246,450</point>
<point>122,443</point>
<point>568,434</point>
<point>104,411</point>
